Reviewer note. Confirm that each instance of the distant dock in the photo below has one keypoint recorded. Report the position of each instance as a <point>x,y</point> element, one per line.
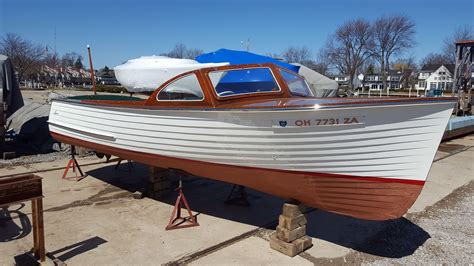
<point>459,126</point>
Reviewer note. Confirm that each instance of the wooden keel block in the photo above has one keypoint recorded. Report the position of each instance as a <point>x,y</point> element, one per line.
<point>156,173</point>
<point>303,243</point>
<point>290,235</point>
<point>161,185</point>
<point>289,249</point>
<point>82,151</point>
<point>292,223</point>
<point>291,210</point>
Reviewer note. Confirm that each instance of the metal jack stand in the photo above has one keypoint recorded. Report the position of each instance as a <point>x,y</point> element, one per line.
<point>129,163</point>
<point>240,199</point>
<point>73,163</point>
<point>176,221</point>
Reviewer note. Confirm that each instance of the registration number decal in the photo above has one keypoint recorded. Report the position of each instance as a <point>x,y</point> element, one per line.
<point>318,122</point>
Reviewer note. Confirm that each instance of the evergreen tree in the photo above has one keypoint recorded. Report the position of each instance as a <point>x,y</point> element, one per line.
<point>78,63</point>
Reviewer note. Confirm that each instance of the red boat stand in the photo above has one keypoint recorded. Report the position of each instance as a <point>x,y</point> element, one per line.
<point>176,221</point>
<point>240,199</point>
<point>129,163</point>
<point>74,164</point>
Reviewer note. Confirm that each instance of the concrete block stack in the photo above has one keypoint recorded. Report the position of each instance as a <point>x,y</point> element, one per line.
<point>290,236</point>
<point>159,182</point>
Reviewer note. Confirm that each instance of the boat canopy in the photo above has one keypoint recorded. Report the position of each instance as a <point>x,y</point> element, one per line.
<point>242,57</point>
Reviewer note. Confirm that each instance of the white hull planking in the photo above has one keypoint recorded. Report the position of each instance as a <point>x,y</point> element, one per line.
<point>394,141</point>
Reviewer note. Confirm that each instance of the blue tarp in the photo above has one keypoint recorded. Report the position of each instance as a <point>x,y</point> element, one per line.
<point>241,57</point>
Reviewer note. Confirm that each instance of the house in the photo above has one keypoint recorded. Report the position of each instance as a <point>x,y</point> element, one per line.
<point>63,76</point>
<point>436,77</point>
<point>395,80</point>
<point>343,80</point>
<point>108,81</point>
<point>106,76</point>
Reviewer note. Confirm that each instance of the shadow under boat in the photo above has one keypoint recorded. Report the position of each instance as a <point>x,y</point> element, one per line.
<point>393,238</point>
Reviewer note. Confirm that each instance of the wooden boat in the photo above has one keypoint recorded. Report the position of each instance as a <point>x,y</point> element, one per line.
<point>363,157</point>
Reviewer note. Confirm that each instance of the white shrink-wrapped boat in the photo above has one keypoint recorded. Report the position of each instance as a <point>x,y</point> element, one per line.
<point>147,73</point>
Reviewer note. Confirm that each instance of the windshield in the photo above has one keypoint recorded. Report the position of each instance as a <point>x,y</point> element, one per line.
<point>296,84</point>
<point>243,81</point>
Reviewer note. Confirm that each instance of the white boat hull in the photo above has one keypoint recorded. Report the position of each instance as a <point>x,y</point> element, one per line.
<point>388,142</point>
<point>372,168</point>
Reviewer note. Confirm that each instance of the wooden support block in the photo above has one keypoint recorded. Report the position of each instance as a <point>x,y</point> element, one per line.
<point>303,243</point>
<point>82,152</point>
<point>291,223</point>
<point>288,249</point>
<point>158,194</point>
<point>156,173</point>
<point>161,185</point>
<point>290,235</point>
<point>291,210</point>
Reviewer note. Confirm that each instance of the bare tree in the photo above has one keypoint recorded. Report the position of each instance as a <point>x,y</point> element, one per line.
<point>25,56</point>
<point>178,51</point>
<point>369,69</point>
<point>297,54</point>
<point>51,59</point>
<point>392,36</point>
<point>404,64</point>
<point>68,59</point>
<point>323,61</point>
<point>192,53</point>
<point>181,51</point>
<point>435,59</point>
<point>464,32</point>
<point>407,67</point>
<point>274,56</point>
<point>350,47</point>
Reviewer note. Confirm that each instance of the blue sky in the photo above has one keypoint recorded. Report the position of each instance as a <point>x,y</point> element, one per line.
<point>120,30</point>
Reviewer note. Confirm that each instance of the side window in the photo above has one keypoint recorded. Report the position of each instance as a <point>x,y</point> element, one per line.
<point>186,88</point>
<point>296,84</point>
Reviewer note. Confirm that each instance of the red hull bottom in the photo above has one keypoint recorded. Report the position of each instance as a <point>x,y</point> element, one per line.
<point>361,197</point>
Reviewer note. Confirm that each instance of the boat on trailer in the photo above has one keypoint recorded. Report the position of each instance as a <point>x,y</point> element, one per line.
<point>259,126</point>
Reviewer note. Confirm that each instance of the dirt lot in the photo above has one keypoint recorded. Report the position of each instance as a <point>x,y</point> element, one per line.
<point>97,221</point>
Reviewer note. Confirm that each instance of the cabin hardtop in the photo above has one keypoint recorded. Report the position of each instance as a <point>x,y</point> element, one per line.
<point>216,86</point>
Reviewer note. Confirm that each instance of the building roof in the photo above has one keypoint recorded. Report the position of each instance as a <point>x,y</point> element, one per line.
<point>471,42</point>
<point>434,67</point>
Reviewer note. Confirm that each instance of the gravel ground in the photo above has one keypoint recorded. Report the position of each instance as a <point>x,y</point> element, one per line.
<point>449,225</point>
<point>47,157</point>
<point>30,159</point>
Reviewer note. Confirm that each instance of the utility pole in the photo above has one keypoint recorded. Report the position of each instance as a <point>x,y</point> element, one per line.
<point>247,44</point>
<point>92,69</point>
